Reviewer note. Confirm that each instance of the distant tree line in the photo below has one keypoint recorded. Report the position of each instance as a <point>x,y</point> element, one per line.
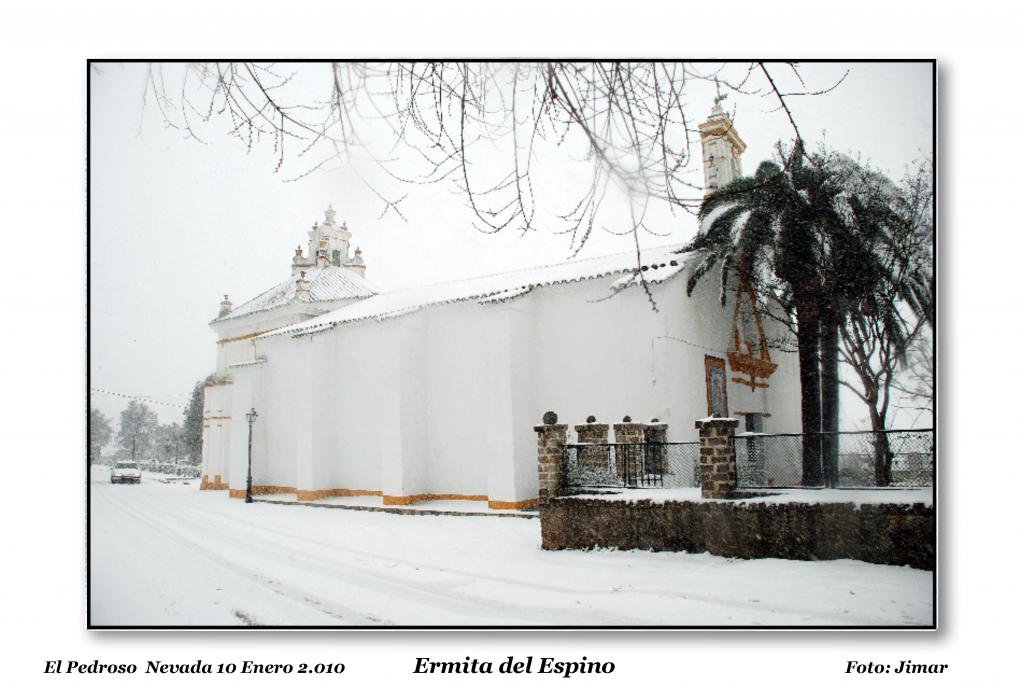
<point>141,437</point>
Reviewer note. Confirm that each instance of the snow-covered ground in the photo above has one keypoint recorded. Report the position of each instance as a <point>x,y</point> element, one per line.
<point>168,554</point>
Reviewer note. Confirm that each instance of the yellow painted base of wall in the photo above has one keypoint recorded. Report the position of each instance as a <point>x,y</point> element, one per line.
<point>261,490</point>
<point>423,497</point>
<point>388,500</point>
<point>520,505</point>
<point>310,495</point>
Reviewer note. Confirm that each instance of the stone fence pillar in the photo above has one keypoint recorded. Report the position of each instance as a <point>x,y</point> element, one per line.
<point>717,457</point>
<point>656,434</point>
<point>593,433</point>
<point>628,458</point>
<point>550,441</point>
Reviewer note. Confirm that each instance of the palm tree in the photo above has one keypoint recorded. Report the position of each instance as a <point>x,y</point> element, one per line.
<point>759,225</point>
<point>828,244</point>
<point>832,233</point>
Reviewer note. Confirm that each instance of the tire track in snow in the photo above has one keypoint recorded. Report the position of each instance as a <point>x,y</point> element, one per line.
<point>193,518</point>
<point>414,591</point>
<point>531,586</point>
<point>739,604</point>
<point>472,605</point>
<point>297,595</point>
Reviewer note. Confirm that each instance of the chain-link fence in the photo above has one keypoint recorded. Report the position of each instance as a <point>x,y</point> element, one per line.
<point>631,465</point>
<point>769,460</point>
<point>854,459</point>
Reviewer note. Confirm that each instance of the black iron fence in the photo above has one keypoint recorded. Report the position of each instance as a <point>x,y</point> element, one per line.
<point>854,459</point>
<point>631,465</point>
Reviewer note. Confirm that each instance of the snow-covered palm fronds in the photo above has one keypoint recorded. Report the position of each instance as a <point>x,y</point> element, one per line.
<point>737,228</point>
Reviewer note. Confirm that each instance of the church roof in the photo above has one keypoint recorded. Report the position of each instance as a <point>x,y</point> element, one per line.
<point>657,265</point>
<point>326,284</point>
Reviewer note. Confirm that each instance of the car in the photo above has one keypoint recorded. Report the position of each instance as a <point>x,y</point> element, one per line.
<point>125,472</point>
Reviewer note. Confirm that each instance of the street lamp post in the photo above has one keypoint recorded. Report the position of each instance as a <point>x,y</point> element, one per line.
<point>251,418</point>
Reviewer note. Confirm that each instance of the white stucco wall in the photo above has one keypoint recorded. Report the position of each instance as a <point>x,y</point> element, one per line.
<point>285,415</point>
<point>444,401</point>
<point>457,386</point>
<point>361,375</point>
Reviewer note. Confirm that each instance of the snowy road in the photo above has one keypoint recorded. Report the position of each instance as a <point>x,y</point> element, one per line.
<point>171,555</point>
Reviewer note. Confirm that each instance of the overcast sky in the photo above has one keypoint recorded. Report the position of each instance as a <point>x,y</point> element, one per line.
<point>176,224</point>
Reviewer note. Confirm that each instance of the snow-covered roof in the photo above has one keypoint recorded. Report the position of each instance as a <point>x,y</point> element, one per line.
<point>329,283</point>
<point>657,265</point>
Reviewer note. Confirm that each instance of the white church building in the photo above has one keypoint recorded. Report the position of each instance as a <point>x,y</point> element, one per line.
<point>432,393</point>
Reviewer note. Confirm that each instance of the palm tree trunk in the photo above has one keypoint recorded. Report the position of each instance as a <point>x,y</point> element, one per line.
<point>808,341</point>
<point>830,395</point>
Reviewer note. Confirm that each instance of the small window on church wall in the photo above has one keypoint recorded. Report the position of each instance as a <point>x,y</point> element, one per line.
<point>336,257</point>
<point>714,378</point>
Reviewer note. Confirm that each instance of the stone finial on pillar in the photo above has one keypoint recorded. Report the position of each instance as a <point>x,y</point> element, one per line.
<point>551,437</point>
<point>629,436</point>
<point>225,307</point>
<point>717,457</point>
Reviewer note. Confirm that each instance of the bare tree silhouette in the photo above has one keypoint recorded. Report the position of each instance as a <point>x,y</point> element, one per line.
<point>490,129</point>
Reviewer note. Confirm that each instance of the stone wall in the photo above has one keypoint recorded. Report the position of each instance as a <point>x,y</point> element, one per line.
<point>893,534</point>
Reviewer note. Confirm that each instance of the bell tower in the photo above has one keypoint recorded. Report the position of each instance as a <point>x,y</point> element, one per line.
<point>722,148</point>
<point>329,245</point>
